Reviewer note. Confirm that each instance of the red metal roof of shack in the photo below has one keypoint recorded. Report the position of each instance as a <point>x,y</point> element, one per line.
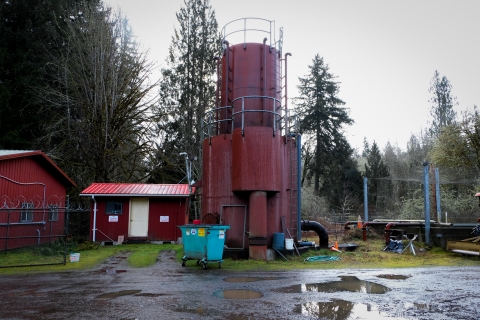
<point>137,190</point>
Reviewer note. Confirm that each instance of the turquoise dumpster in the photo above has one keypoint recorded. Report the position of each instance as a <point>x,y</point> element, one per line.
<point>204,243</point>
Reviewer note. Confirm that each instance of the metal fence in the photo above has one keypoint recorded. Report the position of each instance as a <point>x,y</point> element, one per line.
<point>32,235</point>
<point>38,231</point>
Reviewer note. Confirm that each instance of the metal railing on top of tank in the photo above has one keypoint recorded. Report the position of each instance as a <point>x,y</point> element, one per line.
<point>211,122</point>
<point>270,30</point>
<point>275,111</point>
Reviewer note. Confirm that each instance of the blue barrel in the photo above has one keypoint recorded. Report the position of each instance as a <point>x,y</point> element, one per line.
<point>278,240</point>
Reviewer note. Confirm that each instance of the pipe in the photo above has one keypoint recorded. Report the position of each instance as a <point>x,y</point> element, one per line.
<point>426,181</point>
<point>94,217</point>
<point>393,224</point>
<point>264,114</point>
<point>437,194</point>
<point>226,82</point>
<point>299,184</point>
<point>472,253</point>
<point>319,229</point>
<point>365,199</point>
<point>217,112</point>
<point>29,184</point>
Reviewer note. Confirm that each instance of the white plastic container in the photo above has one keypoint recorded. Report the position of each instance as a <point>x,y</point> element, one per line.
<point>74,257</point>
<point>289,244</point>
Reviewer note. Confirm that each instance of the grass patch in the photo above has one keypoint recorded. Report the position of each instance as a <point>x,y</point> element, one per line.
<point>91,255</point>
<point>145,255</point>
<point>369,254</point>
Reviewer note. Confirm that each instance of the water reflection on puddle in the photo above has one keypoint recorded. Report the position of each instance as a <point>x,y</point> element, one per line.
<point>249,279</point>
<point>238,294</point>
<point>338,309</point>
<point>347,283</point>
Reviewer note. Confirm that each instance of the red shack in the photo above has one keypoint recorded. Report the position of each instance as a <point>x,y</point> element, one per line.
<point>32,198</point>
<point>131,211</point>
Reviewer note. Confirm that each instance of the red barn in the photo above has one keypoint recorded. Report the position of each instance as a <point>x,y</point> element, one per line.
<point>32,198</point>
<point>137,211</point>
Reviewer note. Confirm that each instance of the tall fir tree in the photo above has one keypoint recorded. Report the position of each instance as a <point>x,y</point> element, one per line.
<point>375,169</point>
<point>321,114</point>
<point>442,104</point>
<point>341,179</point>
<point>28,33</point>
<point>187,90</point>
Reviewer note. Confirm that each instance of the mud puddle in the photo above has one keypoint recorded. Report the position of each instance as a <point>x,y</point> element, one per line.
<point>238,294</point>
<point>110,270</point>
<point>113,295</point>
<point>393,276</point>
<point>249,279</point>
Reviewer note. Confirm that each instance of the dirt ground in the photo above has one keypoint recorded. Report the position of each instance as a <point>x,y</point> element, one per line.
<point>169,291</point>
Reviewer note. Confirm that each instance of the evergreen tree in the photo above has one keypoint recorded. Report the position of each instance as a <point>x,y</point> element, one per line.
<point>366,148</point>
<point>341,179</point>
<point>321,114</point>
<point>375,169</point>
<point>27,29</point>
<point>187,89</point>
<point>442,104</point>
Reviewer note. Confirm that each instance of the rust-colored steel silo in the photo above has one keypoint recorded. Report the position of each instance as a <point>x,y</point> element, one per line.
<point>249,155</point>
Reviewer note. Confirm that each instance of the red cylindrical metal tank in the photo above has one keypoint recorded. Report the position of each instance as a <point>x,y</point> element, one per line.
<point>216,178</point>
<point>248,171</point>
<point>258,226</point>
<point>252,71</point>
<point>256,161</point>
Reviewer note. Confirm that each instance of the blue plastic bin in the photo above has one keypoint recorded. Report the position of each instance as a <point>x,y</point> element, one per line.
<point>204,243</point>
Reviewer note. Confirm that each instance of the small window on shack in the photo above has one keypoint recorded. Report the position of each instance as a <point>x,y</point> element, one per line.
<point>52,213</point>
<point>114,207</point>
<point>26,214</point>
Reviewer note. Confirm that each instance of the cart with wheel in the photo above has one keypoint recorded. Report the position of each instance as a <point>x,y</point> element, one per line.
<point>204,243</point>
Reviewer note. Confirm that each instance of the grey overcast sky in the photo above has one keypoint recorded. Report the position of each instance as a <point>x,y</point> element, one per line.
<point>383,52</point>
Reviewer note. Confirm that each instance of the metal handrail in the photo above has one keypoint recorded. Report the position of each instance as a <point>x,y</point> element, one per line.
<point>282,120</point>
<point>242,112</point>
<point>270,31</point>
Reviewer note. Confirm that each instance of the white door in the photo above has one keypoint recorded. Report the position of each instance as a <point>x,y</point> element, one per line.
<point>138,217</point>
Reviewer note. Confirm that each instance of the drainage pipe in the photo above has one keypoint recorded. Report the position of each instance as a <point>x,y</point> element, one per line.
<point>394,224</point>
<point>299,183</point>
<point>94,218</point>
<point>319,229</point>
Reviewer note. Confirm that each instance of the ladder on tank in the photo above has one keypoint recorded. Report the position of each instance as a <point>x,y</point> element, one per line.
<point>293,185</point>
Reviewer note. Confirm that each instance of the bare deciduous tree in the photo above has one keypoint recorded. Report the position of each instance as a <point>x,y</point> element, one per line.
<point>100,100</point>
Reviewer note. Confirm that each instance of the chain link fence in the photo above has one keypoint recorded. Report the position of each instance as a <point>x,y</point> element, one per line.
<point>35,232</point>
